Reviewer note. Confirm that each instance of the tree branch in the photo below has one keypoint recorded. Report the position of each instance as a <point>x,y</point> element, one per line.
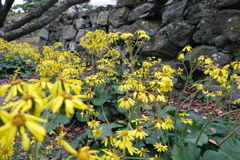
<point>11,35</point>
<point>4,11</point>
<point>32,15</point>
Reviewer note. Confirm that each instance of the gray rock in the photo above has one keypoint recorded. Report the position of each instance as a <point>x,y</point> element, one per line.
<point>72,45</point>
<point>69,33</point>
<point>44,33</point>
<point>81,23</point>
<point>128,3</point>
<point>224,23</point>
<point>58,34</point>
<point>103,18</point>
<point>159,46</point>
<point>42,42</point>
<point>220,59</point>
<point>151,27</point>
<point>119,17</point>
<point>80,34</point>
<point>179,33</point>
<point>146,10</point>
<point>231,4</point>
<point>52,36</point>
<point>174,12</point>
<point>93,17</point>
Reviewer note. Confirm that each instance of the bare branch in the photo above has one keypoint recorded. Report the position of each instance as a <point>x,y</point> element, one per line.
<point>11,35</point>
<point>4,11</point>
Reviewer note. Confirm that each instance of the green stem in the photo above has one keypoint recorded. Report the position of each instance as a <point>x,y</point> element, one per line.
<point>226,138</point>
<point>35,151</point>
<point>208,120</point>
<point>52,120</point>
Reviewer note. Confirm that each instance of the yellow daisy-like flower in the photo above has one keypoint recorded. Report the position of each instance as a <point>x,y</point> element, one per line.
<point>183,114</point>
<point>166,86</point>
<point>161,98</point>
<point>146,97</point>
<point>113,37</point>
<point>43,84</point>
<point>67,102</point>
<point>89,93</point>
<point>143,152</point>
<point>126,35</point>
<point>137,121</point>
<point>31,101</point>
<point>19,122</point>
<point>109,140</point>
<point>97,132</point>
<point>187,121</point>
<point>83,153</point>
<point>180,55</point>
<point>93,124</point>
<point>160,147</point>
<point>139,133</point>
<point>124,87</point>
<point>145,118</point>
<point>160,124</point>
<point>187,48</point>
<point>125,102</point>
<point>6,152</point>
<point>17,87</point>
<point>110,155</point>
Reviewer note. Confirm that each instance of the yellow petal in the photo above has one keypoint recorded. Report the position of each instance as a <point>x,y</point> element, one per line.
<point>68,147</point>
<point>4,88</point>
<point>37,130</point>
<point>25,139</point>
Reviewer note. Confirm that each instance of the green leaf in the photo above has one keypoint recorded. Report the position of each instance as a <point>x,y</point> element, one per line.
<point>81,139</point>
<point>212,155</point>
<point>151,140</point>
<point>231,148</point>
<point>189,152</point>
<point>79,117</point>
<point>100,97</point>
<point>107,113</point>
<point>219,127</point>
<point>106,130</point>
<point>192,137</point>
<point>61,119</point>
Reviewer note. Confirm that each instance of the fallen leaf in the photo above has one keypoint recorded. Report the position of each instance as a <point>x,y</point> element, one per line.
<point>77,129</point>
<point>189,131</point>
<point>196,110</point>
<point>212,141</point>
<point>213,130</point>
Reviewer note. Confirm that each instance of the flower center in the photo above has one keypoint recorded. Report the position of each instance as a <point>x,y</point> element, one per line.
<point>124,132</point>
<point>27,97</point>
<point>19,120</point>
<point>16,82</point>
<point>139,128</point>
<point>82,155</point>
<point>67,95</point>
<point>125,98</point>
<point>61,79</point>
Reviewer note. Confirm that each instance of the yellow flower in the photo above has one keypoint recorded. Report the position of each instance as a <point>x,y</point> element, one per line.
<point>110,155</point>
<point>160,124</point>
<point>166,86</point>
<point>144,22</point>
<point>137,121</point>
<point>97,132</point>
<point>220,74</point>
<point>161,98</point>
<point>125,102</point>
<point>83,153</point>
<point>124,87</point>
<point>31,102</point>
<point>18,122</point>
<point>187,121</point>
<point>183,114</point>
<point>145,118</point>
<point>143,152</point>
<point>16,88</point>
<point>6,152</point>
<point>139,133</point>
<point>160,147</point>
<point>126,35</point>
<point>154,158</point>
<point>180,55</point>
<point>187,48</point>
<point>205,60</point>
<point>123,145</point>
<point>145,97</point>
<point>93,124</point>
<point>109,140</point>
<point>67,101</point>
<point>42,84</point>
<point>89,93</point>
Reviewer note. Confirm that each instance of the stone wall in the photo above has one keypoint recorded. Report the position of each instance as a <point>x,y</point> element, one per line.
<point>212,27</point>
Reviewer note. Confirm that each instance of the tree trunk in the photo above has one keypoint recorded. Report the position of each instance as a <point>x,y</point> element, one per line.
<point>18,28</point>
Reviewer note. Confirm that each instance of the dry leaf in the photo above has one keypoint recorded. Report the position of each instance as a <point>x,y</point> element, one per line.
<point>213,130</point>
<point>77,129</point>
<point>218,111</point>
<point>212,141</point>
<point>196,110</point>
<point>189,131</point>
